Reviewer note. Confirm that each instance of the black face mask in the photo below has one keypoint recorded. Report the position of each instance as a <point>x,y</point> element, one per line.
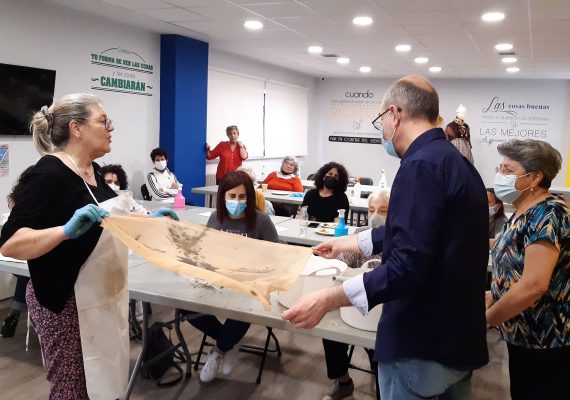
<point>330,182</point>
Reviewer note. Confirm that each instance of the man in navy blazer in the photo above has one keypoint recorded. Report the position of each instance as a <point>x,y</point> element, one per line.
<point>432,331</point>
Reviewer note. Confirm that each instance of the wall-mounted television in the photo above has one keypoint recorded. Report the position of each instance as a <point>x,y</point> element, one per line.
<point>23,91</point>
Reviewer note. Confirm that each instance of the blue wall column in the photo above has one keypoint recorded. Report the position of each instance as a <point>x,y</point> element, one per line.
<point>183,99</point>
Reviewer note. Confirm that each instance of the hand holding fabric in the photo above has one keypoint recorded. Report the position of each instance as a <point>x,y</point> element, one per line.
<point>164,212</point>
<point>83,219</point>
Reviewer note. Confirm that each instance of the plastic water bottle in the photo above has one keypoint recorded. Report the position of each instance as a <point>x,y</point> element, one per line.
<point>303,222</point>
<point>179,200</point>
<point>341,229</point>
<point>357,189</point>
<point>383,183</point>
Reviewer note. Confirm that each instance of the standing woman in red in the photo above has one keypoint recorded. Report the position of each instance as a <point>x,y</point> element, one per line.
<point>231,153</point>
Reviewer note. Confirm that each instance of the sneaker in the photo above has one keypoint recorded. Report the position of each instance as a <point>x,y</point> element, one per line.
<point>340,390</point>
<point>230,359</point>
<point>9,326</point>
<point>212,367</point>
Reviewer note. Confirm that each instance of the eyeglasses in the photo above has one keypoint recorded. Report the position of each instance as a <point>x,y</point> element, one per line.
<point>377,123</point>
<point>289,163</point>
<point>108,122</point>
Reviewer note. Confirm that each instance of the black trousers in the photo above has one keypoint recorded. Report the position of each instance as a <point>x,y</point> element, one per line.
<point>336,357</point>
<point>538,374</point>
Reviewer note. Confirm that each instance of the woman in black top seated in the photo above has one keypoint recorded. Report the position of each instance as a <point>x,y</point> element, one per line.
<point>55,226</point>
<point>329,196</point>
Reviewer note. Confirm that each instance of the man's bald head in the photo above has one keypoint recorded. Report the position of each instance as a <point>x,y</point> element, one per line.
<point>415,95</point>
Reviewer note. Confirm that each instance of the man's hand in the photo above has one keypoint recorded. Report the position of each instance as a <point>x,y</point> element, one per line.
<point>310,309</point>
<point>332,248</point>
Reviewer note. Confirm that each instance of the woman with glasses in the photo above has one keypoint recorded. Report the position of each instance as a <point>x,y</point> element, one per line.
<point>54,225</point>
<point>530,288</point>
<point>286,178</point>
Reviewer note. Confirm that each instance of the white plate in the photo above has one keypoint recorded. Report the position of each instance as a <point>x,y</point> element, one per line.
<point>280,193</point>
<point>325,231</point>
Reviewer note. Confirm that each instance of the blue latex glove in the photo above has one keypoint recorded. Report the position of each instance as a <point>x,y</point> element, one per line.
<point>83,219</point>
<point>296,194</point>
<point>164,212</point>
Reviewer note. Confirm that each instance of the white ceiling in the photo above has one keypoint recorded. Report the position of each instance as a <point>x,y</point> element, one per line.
<point>449,32</point>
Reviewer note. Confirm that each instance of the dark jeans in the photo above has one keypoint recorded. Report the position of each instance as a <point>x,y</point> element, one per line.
<point>539,373</point>
<point>20,292</point>
<point>226,335</point>
<point>336,357</point>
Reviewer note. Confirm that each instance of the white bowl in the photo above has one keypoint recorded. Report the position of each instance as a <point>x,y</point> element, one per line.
<point>351,316</point>
<point>317,275</point>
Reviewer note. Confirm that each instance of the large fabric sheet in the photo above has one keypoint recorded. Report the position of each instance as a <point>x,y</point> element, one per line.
<point>254,267</point>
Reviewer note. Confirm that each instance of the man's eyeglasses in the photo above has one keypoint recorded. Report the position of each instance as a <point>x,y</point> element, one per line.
<point>108,122</point>
<point>377,123</point>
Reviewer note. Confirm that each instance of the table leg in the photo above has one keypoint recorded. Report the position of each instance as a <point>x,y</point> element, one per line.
<point>135,372</point>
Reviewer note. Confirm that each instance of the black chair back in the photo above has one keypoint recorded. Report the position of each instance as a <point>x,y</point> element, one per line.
<point>366,181</point>
<point>145,193</point>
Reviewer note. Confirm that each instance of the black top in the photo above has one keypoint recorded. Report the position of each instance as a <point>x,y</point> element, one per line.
<point>325,209</point>
<point>50,196</point>
<point>435,251</point>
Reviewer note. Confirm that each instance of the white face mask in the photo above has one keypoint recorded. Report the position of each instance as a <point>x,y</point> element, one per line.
<point>115,187</point>
<point>376,221</point>
<point>505,188</point>
<point>160,165</point>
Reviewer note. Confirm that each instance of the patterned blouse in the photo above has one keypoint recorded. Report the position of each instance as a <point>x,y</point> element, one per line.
<point>354,260</point>
<point>547,323</point>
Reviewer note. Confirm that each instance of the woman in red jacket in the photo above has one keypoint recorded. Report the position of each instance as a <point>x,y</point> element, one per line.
<point>231,153</point>
<point>285,179</point>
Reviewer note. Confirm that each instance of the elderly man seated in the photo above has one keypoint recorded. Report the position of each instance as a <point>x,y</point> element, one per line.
<point>336,353</point>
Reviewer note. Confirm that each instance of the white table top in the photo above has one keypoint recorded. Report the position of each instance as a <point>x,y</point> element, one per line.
<point>282,196</point>
<point>309,184</point>
<point>291,233</point>
<point>158,286</point>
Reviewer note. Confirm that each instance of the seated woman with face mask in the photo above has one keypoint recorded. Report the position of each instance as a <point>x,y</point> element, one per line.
<point>116,177</point>
<point>336,353</point>
<point>162,183</point>
<point>329,196</point>
<point>235,213</point>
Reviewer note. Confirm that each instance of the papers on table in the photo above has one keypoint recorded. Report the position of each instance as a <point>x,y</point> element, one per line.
<point>280,228</point>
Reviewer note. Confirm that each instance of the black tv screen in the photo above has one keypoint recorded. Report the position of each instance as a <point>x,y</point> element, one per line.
<point>23,91</point>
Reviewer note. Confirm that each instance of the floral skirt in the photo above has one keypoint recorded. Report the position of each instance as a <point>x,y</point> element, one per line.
<point>61,347</point>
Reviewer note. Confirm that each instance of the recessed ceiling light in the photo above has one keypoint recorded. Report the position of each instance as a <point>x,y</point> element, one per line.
<point>421,60</point>
<point>513,69</point>
<point>509,60</point>
<point>504,46</point>
<point>493,16</point>
<point>365,69</point>
<point>403,48</point>
<point>253,25</point>
<point>362,21</point>
<point>315,49</point>
<point>343,60</point>
<point>434,69</point>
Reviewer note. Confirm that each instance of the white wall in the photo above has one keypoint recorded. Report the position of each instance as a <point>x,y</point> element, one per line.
<point>476,95</point>
<point>36,34</point>
<point>241,65</point>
